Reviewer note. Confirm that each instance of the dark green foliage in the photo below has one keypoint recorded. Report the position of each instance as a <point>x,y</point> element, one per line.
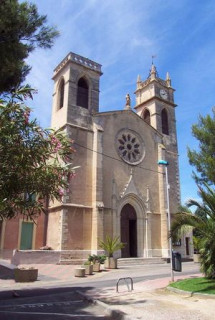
<point>35,163</point>
<point>97,258</point>
<point>102,258</point>
<point>22,29</point>
<point>204,159</point>
<point>203,223</point>
<point>194,285</point>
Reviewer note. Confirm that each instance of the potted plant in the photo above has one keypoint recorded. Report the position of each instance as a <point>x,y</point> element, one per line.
<point>111,245</point>
<point>101,258</point>
<point>88,267</point>
<point>25,274</point>
<point>94,260</point>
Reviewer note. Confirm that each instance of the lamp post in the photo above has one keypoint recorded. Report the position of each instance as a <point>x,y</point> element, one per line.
<point>165,164</point>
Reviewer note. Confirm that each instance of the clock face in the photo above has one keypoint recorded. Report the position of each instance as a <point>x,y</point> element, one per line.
<point>163,94</point>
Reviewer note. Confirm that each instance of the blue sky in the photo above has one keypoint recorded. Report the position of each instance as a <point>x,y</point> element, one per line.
<point>122,35</point>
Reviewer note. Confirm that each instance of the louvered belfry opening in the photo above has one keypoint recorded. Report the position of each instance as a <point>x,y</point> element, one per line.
<point>146,116</point>
<point>164,121</point>
<point>61,93</point>
<point>82,93</point>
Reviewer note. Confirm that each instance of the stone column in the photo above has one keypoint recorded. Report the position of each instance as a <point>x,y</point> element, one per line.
<point>64,229</point>
<point>97,203</point>
<point>163,203</point>
<point>140,236</point>
<point>116,231</point>
<point>148,240</point>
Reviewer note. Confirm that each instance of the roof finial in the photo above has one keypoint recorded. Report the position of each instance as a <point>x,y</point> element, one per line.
<point>168,79</point>
<point>138,78</point>
<point>153,71</point>
<point>153,57</point>
<point>138,81</point>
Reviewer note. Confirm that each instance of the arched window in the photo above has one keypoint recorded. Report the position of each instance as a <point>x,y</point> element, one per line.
<point>61,94</point>
<point>146,116</point>
<point>82,93</point>
<point>164,122</point>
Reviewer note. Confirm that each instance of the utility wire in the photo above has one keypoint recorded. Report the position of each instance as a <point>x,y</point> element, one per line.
<point>106,155</point>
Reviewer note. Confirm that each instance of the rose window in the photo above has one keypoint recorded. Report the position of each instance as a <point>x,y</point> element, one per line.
<point>130,146</point>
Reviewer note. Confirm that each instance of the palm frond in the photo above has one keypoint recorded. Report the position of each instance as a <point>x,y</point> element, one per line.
<point>208,197</point>
<point>203,224</point>
<point>186,219</point>
<point>110,245</point>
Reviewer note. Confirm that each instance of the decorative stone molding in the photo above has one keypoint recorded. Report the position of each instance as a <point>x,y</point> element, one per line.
<point>79,60</point>
<point>130,187</point>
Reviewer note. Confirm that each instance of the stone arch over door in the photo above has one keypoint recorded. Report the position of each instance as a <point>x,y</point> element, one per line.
<point>139,209</point>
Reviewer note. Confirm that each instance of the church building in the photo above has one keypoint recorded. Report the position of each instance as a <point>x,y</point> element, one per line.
<point>119,189</point>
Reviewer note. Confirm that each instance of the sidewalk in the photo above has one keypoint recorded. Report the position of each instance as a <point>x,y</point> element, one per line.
<point>148,300</point>
<point>47,274</point>
<point>53,274</point>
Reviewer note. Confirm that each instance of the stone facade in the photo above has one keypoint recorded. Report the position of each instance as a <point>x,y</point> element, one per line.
<point>119,189</point>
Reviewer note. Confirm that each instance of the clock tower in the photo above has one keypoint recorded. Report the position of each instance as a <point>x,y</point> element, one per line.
<point>155,102</point>
<point>155,105</point>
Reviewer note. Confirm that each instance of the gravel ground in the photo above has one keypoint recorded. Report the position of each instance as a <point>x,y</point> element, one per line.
<point>162,305</point>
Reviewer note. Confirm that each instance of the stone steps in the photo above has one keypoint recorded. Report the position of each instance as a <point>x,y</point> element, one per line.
<point>140,261</point>
<point>72,261</point>
<point>121,261</point>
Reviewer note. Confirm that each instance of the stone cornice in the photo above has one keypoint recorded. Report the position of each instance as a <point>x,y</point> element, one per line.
<point>68,205</point>
<point>156,98</point>
<point>85,62</point>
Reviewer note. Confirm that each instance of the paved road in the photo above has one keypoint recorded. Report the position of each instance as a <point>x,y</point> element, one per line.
<point>60,299</point>
<point>64,304</point>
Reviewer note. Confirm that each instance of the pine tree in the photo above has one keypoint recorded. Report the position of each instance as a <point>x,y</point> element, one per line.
<point>203,159</point>
<point>22,29</point>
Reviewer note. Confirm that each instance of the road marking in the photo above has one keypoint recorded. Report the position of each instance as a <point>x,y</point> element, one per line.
<point>54,314</point>
<point>67,303</point>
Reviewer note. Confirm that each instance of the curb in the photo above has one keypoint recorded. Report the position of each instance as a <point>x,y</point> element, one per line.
<point>191,294</point>
<point>114,314</point>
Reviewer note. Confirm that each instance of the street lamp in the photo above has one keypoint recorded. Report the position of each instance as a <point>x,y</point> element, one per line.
<point>165,164</point>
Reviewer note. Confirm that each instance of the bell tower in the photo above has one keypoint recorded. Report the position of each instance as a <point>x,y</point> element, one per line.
<point>75,102</point>
<point>155,102</point>
<point>155,105</point>
<point>76,91</point>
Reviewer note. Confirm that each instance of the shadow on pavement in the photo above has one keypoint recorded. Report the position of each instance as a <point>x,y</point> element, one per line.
<point>6,273</point>
<point>51,303</point>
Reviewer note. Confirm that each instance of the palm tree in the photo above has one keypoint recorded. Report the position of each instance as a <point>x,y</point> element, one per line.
<point>203,223</point>
<point>110,245</point>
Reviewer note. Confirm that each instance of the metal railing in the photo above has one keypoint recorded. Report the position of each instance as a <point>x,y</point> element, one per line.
<point>125,279</point>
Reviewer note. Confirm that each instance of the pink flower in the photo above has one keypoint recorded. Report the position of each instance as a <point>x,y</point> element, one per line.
<point>57,144</point>
<point>70,176</point>
<point>61,192</point>
<point>26,116</point>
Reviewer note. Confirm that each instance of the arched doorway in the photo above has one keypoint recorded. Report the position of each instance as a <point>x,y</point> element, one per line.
<point>128,224</point>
